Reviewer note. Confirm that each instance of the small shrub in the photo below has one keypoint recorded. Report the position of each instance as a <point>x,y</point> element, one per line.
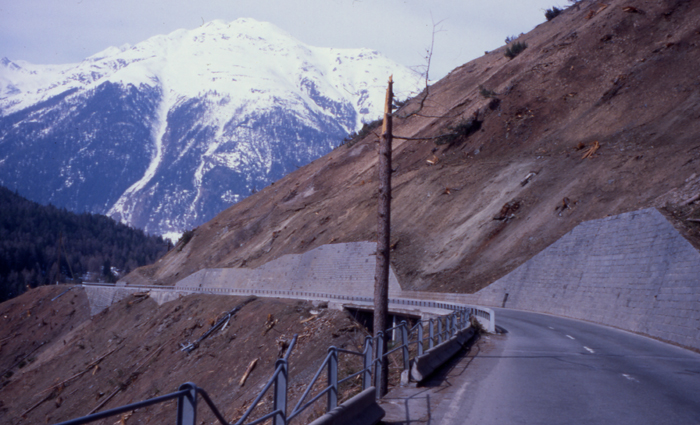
<point>511,38</point>
<point>459,132</point>
<point>552,13</point>
<point>486,92</point>
<point>355,137</point>
<point>186,237</point>
<point>515,49</point>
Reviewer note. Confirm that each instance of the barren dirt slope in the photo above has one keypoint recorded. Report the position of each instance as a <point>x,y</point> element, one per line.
<point>58,363</point>
<point>622,76</point>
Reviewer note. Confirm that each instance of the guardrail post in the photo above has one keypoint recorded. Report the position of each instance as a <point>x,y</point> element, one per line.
<point>420,337</point>
<point>187,405</point>
<point>439,321</point>
<point>404,344</point>
<point>332,379</point>
<point>280,399</point>
<point>367,375</point>
<point>378,364</point>
<point>431,334</point>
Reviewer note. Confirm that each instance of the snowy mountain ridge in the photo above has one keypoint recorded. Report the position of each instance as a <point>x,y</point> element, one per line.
<point>187,123</point>
<point>250,60</point>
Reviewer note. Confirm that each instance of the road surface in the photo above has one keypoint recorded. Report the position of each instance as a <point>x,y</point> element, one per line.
<point>551,370</point>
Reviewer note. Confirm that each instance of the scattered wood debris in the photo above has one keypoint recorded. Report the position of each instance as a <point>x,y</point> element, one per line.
<point>250,368</point>
<point>564,205</point>
<point>223,321</point>
<point>527,179</point>
<point>270,323</point>
<point>592,13</point>
<point>282,345</point>
<point>592,150</point>
<point>691,200</point>
<point>132,377</point>
<point>308,319</point>
<point>632,9</point>
<point>508,211</point>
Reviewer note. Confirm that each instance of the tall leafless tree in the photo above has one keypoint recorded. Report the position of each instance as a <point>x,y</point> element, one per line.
<point>381,280</point>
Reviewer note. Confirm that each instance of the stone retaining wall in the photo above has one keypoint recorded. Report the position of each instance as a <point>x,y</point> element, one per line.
<point>343,269</point>
<point>633,271</point>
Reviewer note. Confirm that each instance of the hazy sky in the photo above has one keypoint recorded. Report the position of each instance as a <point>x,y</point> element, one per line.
<point>65,31</point>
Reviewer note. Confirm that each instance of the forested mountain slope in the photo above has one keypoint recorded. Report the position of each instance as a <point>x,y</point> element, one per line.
<point>32,237</point>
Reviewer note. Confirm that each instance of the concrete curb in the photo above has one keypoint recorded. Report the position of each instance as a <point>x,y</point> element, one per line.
<point>429,362</point>
<point>359,410</point>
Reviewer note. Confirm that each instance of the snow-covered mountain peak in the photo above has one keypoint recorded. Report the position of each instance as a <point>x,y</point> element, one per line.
<point>177,127</point>
<point>251,60</point>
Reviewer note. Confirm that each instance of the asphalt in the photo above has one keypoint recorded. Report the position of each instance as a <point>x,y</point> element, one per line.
<point>552,370</point>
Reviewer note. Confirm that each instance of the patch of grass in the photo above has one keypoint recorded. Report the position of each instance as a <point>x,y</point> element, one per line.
<point>552,13</point>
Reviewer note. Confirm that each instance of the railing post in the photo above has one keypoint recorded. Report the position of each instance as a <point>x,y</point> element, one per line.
<point>439,320</point>
<point>332,379</point>
<point>187,405</point>
<point>404,344</point>
<point>431,334</point>
<point>367,375</point>
<point>378,364</point>
<point>420,337</point>
<point>280,399</point>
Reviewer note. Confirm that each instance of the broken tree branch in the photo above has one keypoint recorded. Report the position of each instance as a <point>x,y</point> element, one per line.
<point>250,368</point>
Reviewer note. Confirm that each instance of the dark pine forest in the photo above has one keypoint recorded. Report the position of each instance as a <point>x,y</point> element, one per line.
<point>34,237</point>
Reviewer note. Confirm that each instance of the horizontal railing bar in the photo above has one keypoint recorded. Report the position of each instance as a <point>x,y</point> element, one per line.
<point>347,378</point>
<point>264,418</point>
<point>393,350</point>
<point>122,409</point>
<point>357,353</point>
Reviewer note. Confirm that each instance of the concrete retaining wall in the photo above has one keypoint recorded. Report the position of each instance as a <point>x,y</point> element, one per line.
<point>633,271</point>
<point>343,269</point>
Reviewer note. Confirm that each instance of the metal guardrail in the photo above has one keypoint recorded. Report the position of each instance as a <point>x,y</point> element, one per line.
<point>438,329</point>
<point>478,311</point>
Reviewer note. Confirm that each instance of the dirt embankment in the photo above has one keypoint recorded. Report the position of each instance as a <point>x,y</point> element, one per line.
<point>59,363</point>
<point>597,116</point>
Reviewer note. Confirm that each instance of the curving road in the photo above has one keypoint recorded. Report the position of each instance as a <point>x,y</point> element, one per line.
<point>551,370</point>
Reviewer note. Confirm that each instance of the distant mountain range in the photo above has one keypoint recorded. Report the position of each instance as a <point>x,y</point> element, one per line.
<point>167,133</point>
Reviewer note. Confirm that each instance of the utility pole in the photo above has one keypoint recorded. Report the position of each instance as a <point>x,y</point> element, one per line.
<point>381,279</point>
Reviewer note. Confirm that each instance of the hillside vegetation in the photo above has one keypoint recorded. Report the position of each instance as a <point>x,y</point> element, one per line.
<point>598,115</point>
<point>32,237</point>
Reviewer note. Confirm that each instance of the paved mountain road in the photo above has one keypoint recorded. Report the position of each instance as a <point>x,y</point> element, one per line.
<point>551,370</point>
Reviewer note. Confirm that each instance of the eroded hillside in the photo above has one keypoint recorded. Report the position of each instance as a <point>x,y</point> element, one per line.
<point>58,363</point>
<point>597,116</point>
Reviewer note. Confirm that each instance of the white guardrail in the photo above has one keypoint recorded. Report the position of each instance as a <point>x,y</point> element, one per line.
<point>486,315</point>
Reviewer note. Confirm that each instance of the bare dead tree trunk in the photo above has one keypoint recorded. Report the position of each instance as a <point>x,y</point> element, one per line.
<point>381,279</point>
